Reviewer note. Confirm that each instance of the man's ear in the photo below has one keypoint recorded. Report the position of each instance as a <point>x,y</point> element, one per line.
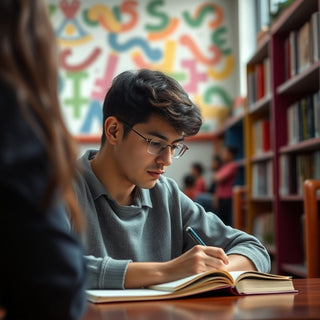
<point>113,129</point>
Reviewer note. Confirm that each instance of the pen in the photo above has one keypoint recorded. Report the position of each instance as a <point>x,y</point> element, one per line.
<point>193,235</point>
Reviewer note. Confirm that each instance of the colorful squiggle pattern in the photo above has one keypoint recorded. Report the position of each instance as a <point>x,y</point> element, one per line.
<point>100,39</point>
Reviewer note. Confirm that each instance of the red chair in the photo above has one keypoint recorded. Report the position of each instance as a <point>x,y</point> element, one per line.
<point>312,228</point>
<point>239,204</point>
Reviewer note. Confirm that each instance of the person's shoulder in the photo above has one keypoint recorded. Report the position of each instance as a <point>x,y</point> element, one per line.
<point>165,180</point>
<point>84,162</point>
<point>234,165</point>
<point>83,169</point>
<point>229,166</point>
<point>166,183</point>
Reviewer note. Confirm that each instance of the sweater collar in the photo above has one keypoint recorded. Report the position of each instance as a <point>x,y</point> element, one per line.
<point>142,197</point>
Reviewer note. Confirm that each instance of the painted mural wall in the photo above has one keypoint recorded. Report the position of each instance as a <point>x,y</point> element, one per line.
<point>193,41</point>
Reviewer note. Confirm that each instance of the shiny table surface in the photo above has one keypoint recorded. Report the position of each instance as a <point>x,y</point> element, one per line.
<point>302,305</point>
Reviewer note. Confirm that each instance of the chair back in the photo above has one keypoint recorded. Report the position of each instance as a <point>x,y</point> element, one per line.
<point>312,228</point>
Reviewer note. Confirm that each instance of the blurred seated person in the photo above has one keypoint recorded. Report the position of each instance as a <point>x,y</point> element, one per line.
<point>224,179</point>
<point>208,199</point>
<point>197,171</point>
<point>189,188</point>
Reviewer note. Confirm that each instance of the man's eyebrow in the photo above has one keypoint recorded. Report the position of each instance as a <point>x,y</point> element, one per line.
<point>158,135</point>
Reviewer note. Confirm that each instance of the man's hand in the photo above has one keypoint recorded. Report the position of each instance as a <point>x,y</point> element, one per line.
<point>198,259</point>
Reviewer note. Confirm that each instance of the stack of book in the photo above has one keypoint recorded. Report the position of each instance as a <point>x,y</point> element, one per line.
<point>262,179</point>
<point>303,118</point>
<point>259,81</point>
<point>295,169</point>
<point>302,47</point>
<point>261,135</point>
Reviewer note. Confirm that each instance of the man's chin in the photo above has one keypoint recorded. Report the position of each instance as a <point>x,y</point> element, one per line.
<point>149,185</point>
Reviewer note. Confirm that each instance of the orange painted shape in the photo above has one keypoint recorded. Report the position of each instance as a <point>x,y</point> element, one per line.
<point>173,25</point>
<point>190,43</point>
<point>219,12</point>
<point>129,8</point>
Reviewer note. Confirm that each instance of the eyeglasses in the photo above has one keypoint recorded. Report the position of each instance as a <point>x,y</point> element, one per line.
<point>156,145</point>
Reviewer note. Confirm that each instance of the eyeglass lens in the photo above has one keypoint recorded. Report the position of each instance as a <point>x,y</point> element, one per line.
<point>157,146</point>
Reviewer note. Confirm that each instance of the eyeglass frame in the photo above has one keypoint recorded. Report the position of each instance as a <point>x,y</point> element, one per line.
<point>148,140</point>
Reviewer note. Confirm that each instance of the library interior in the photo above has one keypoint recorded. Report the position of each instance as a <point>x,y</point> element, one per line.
<point>257,85</point>
<point>252,68</point>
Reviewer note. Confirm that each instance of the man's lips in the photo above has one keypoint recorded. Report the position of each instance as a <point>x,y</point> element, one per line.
<point>156,173</point>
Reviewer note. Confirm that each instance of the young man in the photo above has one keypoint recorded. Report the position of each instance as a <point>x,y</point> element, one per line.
<point>136,217</point>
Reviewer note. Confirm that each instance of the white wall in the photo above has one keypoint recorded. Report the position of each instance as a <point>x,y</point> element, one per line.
<point>244,45</point>
<point>199,152</point>
<point>247,39</point>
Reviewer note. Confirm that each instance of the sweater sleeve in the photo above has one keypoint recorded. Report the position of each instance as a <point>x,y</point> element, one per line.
<point>106,272</point>
<point>214,232</point>
<point>233,241</point>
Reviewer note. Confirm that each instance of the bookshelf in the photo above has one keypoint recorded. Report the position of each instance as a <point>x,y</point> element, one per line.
<point>282,140</point>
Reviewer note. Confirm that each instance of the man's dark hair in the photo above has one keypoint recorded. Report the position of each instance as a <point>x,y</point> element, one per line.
<point>232,149</point>
<point>189,180</point>
<point>198,167</point>
<point>134,96</point>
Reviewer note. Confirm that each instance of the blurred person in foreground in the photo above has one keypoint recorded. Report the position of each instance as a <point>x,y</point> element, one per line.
<point>42,274</point>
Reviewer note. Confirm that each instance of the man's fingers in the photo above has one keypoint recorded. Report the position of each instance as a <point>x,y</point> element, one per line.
<point>213,256</point>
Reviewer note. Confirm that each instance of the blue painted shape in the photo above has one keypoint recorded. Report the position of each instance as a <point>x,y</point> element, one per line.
<point>152,54</point>
<point>94,113</point>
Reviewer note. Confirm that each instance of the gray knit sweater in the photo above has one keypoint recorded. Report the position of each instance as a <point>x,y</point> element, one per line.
<point>150,230</point>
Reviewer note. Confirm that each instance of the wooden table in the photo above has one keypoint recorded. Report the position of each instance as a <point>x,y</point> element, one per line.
<point>303,305</point>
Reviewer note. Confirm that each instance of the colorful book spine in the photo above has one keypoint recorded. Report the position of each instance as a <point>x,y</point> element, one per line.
<point>303,119</point>
<point>315,27</point>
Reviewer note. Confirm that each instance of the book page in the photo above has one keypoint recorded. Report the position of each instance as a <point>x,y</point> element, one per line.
<point>176,284</point>
<point>220,276</point>
<point>94,295</point>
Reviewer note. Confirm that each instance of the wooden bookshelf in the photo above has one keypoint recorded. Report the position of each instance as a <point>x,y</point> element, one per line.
<point>261,105</point>
<point>289,210</point>
<point>287,249</point>
<point>305,82</point>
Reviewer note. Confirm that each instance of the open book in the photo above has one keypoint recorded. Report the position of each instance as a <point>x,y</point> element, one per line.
<point>236,283</point>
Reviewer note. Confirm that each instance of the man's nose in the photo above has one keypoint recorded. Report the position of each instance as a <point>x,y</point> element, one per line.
<point>165,157</point>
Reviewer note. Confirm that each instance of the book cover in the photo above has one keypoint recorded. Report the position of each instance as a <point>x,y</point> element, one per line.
<point>315,34</point>
<point>293,124</point>
<point>284,175</point>
<point>251,88</point>
<point>259,70</point>
<point>302,119</point>
<point>293,53</point>
<point>267,75</point>
<point>257,131</point>
<point>310,123</point>
<point>316,112</point>
<point>304,47</point>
